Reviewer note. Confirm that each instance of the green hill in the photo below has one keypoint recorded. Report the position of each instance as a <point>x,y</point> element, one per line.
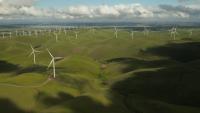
<point>101,74</point>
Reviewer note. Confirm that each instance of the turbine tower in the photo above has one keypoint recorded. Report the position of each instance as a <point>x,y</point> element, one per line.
<point>52,62</point>
<point>132,35</point>
<point>190,33</point>
<point>33,53</point>
<point>30,33</point>
<point>76,34</point>
<point>36,33</point>
<point>49,31</point>
<point>56,37</point>
<point>16,32</point>
<point>10,35</point>
<point>3,35</point>
<point>146,31</point>
<point>23,32</point>
<point>65,32</point>
<point>92,29</point>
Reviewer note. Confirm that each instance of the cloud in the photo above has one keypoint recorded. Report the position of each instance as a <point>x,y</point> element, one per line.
<point>106,11</point>
<point>188,1</point>
<point>25,9</point>
<point>182,11</point>
<point>18,2</point>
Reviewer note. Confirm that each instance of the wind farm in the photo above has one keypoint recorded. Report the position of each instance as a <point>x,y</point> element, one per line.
<point>99,56</point>
<point>93,67</point>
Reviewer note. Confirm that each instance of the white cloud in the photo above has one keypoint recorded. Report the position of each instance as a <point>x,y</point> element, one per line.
<point>106,11</point>
<point>189,1</point>
<point>18,2</point>
<point>22,9</point>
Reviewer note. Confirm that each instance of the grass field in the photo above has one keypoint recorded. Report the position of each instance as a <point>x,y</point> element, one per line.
<point>101,73</point>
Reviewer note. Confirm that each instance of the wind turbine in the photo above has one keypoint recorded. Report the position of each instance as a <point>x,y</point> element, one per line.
<point>173,33</point>
<point>33,53</point>
<point>49,31</point>
<point>146,31</point>
<point>76,34</point>
<point>40,31</point>
<point>29,33</point>
<point>65,32</point>
<point>190,33</point>
<point>23,32</point>
<point>10,34</point>
<point>60,30</point>
<point>36,33</point>
<point>132,34</point>
<point>56,37</point>
<point>16,32</point>
<point>52,62</point>
<point>92,29</point>
<point>116,32</point>
<point>170,31</point>
<point>3,35</point>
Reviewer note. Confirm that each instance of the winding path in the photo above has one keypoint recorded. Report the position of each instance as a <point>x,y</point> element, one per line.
<point>23,86</point>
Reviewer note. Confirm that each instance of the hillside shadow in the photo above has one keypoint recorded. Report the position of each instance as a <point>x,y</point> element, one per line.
<point>37,46</point>
<point>176,84</point>
<point>51,101</point>
<point>134,64</point>
<point>33,69</point>
<point>85,104</point>
<point>80,104</point>
<point>6,106</point>
<point>182,52</point>
<point>7,67</point>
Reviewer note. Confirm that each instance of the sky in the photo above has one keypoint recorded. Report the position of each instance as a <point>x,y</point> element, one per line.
<point>101,10</point>
<point>65,3</point>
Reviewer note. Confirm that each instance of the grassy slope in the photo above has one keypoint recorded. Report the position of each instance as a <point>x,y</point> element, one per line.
<point>143,75</point>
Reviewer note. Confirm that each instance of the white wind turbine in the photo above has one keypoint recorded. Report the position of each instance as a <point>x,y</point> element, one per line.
<point>49,31</point>
<point>132,35</point>
<point>56,37</point>
<point>52,62</point>
<point>60,30</point>
<point>116,32</point>
<point>23,32</point>
<point>30,33</point>
<point>170,31</point>
<point>3,35</point>
<point>40,31</point>
<point>16,32</point>
<point>92,29</point>
<point>33,53</point>
<point>10,34</point>
<point>65,32</point>
<point>146,31</point>
<point>36,33</point>
<point>173,33</point>
<point>76,34</point>
<point>190,33</point>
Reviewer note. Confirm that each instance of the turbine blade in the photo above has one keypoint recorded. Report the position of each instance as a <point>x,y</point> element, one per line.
<point>59,58</point>
<point>50,63</point>
<point>31,54</point>
<point>50,53</point>
<point>31,47</point>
